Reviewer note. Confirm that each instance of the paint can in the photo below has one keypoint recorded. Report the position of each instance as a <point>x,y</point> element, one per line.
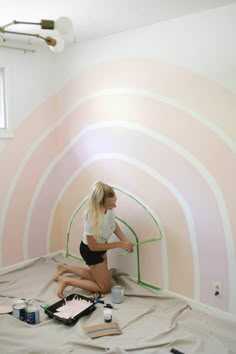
<point>117,294</point>
<point>32,313</point>
<point>19,310</point>
<point>107,313</point>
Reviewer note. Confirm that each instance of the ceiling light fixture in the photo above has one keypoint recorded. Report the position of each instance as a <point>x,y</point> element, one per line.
<point>63,25</point>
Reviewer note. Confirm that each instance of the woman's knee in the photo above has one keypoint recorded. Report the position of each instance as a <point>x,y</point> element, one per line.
<point>102,277</point>
<point>105,287</point>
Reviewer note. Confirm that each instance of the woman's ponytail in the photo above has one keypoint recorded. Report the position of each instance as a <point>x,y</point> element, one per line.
<point>99,193</point>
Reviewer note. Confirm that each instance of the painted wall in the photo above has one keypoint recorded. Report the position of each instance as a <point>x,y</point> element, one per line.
<point>152,112</point>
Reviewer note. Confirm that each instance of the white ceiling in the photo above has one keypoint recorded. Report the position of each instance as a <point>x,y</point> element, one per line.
<point>98,18</point>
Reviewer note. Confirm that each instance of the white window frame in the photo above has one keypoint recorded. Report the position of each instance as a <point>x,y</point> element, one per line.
<point>6,131</point>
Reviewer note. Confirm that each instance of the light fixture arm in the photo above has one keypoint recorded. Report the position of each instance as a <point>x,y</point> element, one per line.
<point>49,40</point>
<point>45,24</point>
<point>63,25</point>
<point>7,25</point>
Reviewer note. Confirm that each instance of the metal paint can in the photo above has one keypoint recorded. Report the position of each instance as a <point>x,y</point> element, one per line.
<point>19,310</point>
<point>32,314</point>
<point>117,294</point>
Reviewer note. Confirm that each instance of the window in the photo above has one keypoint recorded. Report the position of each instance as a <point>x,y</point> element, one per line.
<point>2,101</point>
<point>5,131</point>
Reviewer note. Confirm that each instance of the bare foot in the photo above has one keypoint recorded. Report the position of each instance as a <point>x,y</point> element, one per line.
<point>61,287</point>
<point>61,269</point>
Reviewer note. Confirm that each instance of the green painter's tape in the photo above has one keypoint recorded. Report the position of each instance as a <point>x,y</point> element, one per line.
<point>136,238</point>
<point>70,223</point>
<point>141,243</point>
<point>143,206</point>
<point>151,286</point>
<point>147,241</point>
<point>128,226</point>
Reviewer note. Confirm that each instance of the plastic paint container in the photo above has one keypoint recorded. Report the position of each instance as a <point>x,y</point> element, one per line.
<point>117,294</point>
<point>107,315</point>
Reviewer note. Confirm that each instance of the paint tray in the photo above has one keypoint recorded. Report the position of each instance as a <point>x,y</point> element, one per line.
<point>52,312</point>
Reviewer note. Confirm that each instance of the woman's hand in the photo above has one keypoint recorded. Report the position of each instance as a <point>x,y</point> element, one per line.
<point>127,246</point>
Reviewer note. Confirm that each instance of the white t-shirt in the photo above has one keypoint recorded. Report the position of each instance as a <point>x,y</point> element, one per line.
<point>107,228</point>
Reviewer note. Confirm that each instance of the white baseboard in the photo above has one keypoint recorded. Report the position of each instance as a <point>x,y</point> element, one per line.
<point>213,311</point>
<point>207,309</point>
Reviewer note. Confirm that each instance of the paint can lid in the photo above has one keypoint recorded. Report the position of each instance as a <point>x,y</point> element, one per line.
<point>107,312</point>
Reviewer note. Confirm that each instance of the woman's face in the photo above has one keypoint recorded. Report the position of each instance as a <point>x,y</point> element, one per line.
<point>110,203</point>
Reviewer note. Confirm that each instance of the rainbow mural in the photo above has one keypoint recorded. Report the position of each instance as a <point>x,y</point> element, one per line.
<point>159,132</point>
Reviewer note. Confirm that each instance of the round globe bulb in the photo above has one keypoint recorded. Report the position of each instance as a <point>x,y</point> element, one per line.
<point>63,25</point>
<point>58,48</point>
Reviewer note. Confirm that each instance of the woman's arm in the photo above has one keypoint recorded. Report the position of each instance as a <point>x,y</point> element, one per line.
<point>96,246</point>
<point>119,233</point>
<point>122,237</point>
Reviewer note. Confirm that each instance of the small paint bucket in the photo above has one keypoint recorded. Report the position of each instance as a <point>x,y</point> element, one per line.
<point>107,315</point>
<point>117,294</point>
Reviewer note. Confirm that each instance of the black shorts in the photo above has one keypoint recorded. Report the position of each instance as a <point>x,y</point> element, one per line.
<point>91,257</point>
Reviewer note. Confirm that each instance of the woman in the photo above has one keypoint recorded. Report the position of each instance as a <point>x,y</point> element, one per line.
<point>99,225</point>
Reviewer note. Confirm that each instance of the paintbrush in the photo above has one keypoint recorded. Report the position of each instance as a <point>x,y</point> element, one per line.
<point>141,243</point>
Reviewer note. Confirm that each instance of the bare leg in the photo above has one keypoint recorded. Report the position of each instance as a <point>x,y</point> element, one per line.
<point>100,282</point>
<point>102,276</point>
<point>65,268</point>
<point>84,284</point>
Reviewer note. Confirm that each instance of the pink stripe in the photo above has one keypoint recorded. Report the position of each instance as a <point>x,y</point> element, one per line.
<point>18,207</point>
<point>25,136</point>
<point>169,80</point>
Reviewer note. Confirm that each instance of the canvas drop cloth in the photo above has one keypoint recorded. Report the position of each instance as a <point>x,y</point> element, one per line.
<point>151,323</point>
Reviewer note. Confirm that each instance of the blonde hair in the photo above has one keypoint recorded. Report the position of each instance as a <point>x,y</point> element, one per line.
<point>99,193</point>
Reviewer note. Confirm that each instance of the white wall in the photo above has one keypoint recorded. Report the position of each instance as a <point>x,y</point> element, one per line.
<point>30,80</point>
<point>204,43</point>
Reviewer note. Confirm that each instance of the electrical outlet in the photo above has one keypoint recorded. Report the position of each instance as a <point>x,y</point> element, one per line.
<point>217,288</point>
